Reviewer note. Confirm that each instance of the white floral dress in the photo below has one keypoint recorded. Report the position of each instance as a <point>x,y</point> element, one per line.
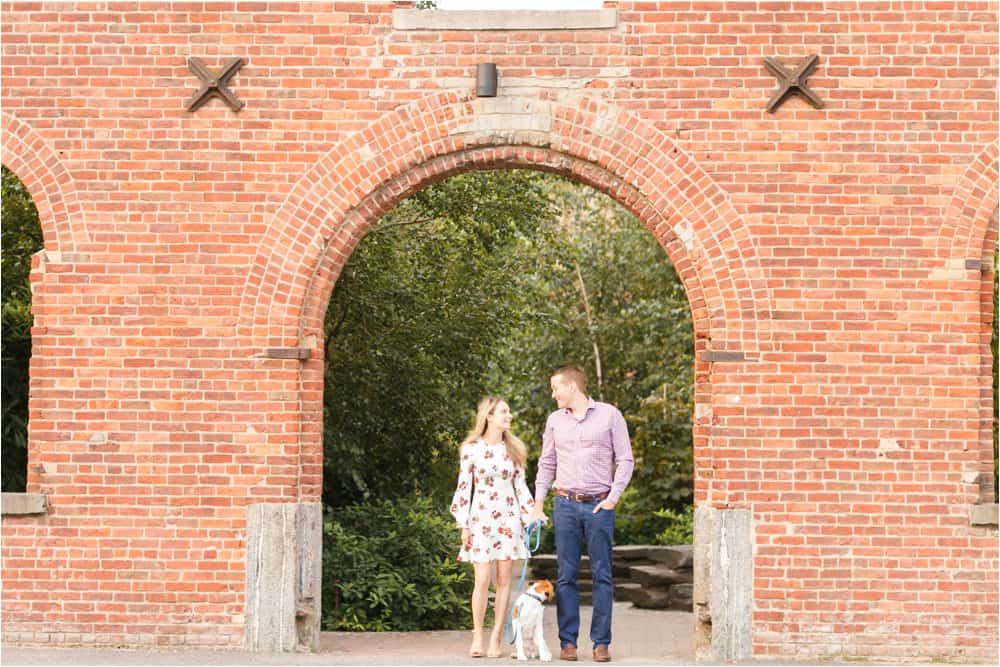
<point>493,501</point>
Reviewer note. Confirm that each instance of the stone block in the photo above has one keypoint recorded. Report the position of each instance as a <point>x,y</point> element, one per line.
<point>23,503</point>
<point>983,515</point>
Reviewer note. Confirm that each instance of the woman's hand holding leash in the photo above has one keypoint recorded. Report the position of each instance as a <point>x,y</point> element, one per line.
<point>537,516</point>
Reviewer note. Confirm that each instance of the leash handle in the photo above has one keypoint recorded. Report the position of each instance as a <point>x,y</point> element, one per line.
<point>534,530</point>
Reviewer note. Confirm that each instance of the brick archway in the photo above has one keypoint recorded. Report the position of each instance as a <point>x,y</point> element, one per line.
<point>38,166</point>
<point>838,248</point>
<point>332,206</point>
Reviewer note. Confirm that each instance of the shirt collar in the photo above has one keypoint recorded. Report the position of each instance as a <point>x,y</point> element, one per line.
<point>591,404</point>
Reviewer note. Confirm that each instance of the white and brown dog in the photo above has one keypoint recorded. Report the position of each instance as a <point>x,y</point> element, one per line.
<point>527,619</point>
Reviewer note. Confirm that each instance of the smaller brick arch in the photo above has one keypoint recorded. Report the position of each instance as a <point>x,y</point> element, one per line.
<point>332,206</point>
<point>969,234</point>
<point>963,234</point>
<point>27,154</point>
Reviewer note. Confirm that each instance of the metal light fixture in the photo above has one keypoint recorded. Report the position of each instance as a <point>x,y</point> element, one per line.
<point>486,80</point>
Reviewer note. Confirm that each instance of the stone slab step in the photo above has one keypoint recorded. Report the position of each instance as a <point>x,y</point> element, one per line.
<point>679,557</point>
<point>681,596</point>
<point>677,597</point>
<point>634,552</point>
<point>674,557</point>
<point>650,598</point>
<point>653,576</point>
<point>625,591</point>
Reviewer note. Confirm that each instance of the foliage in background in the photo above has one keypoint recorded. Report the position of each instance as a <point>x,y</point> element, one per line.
<point>21,238</point>
<point>678,526</point>
<point>390,565</point>
<point>484,283</point>
<point>416,328</point>
<point>614,305</point>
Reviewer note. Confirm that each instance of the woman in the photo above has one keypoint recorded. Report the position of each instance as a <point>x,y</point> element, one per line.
<point>490,505</point>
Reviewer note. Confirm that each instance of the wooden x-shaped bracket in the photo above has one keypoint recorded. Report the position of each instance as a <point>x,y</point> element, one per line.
<point>792,82</point>
<point>213,84</point>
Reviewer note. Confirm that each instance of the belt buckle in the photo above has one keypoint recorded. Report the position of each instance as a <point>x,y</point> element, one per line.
<point>580,497</point>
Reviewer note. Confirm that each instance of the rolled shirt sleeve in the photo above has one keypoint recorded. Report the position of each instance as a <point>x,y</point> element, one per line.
<point>624,461</point>
<point>546,471</point>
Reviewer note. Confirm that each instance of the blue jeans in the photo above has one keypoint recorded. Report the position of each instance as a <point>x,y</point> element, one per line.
<point>576,524</point>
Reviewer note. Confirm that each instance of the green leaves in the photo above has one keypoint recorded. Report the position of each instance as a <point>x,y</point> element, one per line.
<point>415,328</point>
<point>21,238</point>
<point>484,283</point>
<point>391,565</point>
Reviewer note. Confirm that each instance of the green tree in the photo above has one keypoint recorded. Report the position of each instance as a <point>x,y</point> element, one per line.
<point>484,283</point>
<point>417,321</point>
<point>21,238</point>
<point>611,302</point>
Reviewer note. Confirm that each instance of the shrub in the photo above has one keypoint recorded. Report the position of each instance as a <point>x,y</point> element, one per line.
<point>391,565</point>
<point>679,528</point>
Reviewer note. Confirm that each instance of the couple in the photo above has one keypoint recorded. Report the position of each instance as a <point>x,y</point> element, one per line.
<point>587,454</point>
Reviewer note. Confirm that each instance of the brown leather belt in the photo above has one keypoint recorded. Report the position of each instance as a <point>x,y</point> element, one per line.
<point>581,497</point>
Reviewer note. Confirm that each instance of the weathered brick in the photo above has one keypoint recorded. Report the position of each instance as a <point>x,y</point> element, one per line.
<point>830,248</point>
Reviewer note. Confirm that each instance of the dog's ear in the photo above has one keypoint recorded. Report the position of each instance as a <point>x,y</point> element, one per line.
<point>545,587</point>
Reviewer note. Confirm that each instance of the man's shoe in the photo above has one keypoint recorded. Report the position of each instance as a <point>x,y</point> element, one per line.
<point>602,654</point>
<point>568,653</point>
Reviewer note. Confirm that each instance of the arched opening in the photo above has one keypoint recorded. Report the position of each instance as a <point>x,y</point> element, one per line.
<point>22,238</point>
<point>483,283</point>
<point>333,206</point>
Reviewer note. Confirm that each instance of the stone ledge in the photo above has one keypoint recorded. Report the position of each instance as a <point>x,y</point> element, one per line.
<point>983,515</point>
<point>436,19</point>
<point>24,503</point>
<point>721,355</point>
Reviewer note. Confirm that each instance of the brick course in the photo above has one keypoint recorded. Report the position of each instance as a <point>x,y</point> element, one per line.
<point>835,249</point>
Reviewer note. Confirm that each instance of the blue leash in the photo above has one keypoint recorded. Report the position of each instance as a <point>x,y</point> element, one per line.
<point>533,531</point>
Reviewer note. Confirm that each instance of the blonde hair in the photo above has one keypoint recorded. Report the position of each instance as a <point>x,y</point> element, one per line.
<point>516,450</point>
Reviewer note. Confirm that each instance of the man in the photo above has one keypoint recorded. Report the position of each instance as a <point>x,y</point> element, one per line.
<point>587,454</point>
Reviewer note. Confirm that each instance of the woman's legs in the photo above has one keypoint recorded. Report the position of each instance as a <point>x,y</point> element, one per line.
<point>480,595</point>
<point>504,569</point>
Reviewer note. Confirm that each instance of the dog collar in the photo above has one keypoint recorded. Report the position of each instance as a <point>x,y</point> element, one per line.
<point>532,595</point>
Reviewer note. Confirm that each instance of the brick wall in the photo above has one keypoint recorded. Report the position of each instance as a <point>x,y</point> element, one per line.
<point>834,255</point>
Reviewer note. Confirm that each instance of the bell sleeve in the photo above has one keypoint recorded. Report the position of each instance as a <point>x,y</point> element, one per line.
<point>461,502</point>
<point>524,497</point>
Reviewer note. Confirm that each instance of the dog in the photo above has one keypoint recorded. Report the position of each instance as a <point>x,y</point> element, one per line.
<point>527,621</point>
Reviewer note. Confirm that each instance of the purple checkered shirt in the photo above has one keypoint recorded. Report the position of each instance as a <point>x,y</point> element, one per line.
<point>592,455</point>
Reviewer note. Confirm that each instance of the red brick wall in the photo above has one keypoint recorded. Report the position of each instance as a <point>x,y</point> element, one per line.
<point>829,247</point>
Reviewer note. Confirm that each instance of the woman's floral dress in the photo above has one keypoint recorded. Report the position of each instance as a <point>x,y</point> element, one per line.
<point>493,502</point>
